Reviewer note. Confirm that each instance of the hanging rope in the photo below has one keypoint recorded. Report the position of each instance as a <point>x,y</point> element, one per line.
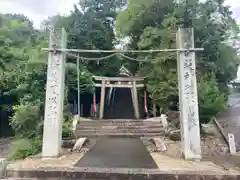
<point>107,57</point>
<point>133,59</point>
<point>124,51</point>
<point>110,56</point>
<point>92,59</point>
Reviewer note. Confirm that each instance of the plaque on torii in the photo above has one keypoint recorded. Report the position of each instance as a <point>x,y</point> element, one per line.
<point>124,72</point>
<point>125,80</point>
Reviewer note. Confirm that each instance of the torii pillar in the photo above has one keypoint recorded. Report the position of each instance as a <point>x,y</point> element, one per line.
<point>188,98</point>
<point>52,134</point>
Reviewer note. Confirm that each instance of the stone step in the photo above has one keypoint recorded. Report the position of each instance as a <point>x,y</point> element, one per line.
<point>28,178</point>
<point>108,120</point>
<point>46,178</point>
<point>122,128</point>
<point>117,123</point>
<point>113,120</point>
<point>119,127</point>
<point>105,131</point>
<point>127,135</point>
<point>85,173</point>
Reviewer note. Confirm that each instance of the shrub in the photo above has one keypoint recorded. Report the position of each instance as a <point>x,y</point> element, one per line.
<point>211,99</point>
<point>67,130</point>
<point>25,147</point>
<point>26,121</point>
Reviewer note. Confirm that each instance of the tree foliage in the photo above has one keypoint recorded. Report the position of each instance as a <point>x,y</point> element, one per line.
<point>23,66</point>
<point>153,24</point>
<point>211,99</point>
<point>98,24</point>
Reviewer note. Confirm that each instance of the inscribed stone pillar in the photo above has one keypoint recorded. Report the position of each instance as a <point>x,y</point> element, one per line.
<point>52,135</point>
<point>188,99</point>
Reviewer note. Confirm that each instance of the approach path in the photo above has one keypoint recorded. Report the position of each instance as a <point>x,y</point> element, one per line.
<point>118,153</point>
<point>231,119</point>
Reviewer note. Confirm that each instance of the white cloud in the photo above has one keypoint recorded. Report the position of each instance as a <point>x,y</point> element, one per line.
<point>37,11</point>
<point>233,2</point>
<point>235,7</point>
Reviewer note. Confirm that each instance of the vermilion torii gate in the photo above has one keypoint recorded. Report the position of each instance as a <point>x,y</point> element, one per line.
<point>189,118</point>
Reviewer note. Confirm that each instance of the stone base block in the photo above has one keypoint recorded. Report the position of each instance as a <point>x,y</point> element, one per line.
<point>117,174</point>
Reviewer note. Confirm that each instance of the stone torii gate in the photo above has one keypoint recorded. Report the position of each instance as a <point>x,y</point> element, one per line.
<point>189,118</point>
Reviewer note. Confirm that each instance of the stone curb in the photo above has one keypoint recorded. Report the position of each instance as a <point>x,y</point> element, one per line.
<point>119,174</point>
<point>3,166</point>
<point>221,130</point>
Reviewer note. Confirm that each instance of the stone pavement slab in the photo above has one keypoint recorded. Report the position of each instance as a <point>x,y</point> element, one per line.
<point>168,169</point>
<point>230,121</point>
<point>119,174</point>
<point>118,153</point>
<point>2,166</point>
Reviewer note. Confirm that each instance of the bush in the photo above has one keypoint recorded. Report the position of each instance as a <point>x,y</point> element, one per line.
<point>27,124</point>
<point>211,99</point>
<point>27,121</point>
<point>67,130</point>
<point>25,147</point>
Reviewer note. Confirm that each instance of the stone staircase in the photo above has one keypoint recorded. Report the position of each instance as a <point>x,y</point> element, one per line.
<point>119,128</point>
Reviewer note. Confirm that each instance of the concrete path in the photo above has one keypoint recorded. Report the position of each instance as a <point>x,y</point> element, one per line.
<point>118,153</point>
<point>230,120</point>
<point>5,147</point>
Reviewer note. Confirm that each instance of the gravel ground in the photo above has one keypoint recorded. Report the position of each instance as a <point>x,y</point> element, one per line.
<point>230,120</point>
<point>214,149</point>
<point>5,147</point>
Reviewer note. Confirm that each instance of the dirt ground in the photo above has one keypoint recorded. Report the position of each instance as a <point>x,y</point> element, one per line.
<point>5,147</point>
<point>213,149</point>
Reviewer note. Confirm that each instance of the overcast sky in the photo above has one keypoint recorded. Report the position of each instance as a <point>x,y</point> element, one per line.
<point>37,10</point>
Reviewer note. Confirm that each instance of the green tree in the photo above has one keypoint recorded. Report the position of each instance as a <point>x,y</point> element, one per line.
<point>153,24</point>
<point>23,65</point>
<point>211,99</point>
<point>92,27</point>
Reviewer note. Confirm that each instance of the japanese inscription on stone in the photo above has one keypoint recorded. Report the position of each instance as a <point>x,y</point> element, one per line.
<point>190,133</point>
<point>190,94</point>
<point>54,81</point>
<point>189,74</point>
<point>54,96</point>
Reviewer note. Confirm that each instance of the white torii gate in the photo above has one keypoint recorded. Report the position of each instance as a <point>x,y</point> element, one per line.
<point>189,117</point>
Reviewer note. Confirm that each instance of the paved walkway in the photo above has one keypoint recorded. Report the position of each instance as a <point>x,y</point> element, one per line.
<point>5,147</point>
<point>231,119</point>
<point>118,153</point>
